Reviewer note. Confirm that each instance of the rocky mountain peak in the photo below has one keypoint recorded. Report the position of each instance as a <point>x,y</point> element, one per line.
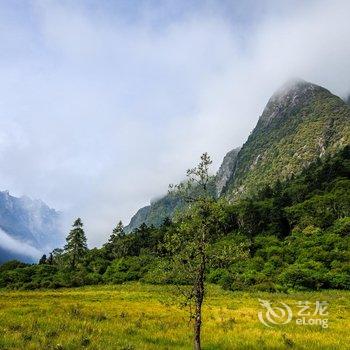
<point>295,93</point>
<point>29,221</point>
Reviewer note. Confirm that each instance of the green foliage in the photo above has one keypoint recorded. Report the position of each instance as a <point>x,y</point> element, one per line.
<point>95,261</point>
<point>43,260</point>
<point>29,277</point>
<point>113,246</point>
<point>165,208</point>
<point>11,265</point>
<point>293,235</point>
<point>308,275</point>
<point>323,209</point>
<point>127,269</point>
<point>76,246</point>
<point>317,126</point>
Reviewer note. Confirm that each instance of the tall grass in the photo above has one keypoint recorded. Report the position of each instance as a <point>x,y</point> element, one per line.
<point>138,316</point>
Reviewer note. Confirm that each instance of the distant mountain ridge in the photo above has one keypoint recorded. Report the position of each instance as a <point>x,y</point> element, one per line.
<point>300,123</point>
<point>30,223</point>
<point>155,213</point>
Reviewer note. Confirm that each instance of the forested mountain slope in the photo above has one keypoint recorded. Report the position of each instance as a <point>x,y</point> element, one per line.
<point>301,123</point>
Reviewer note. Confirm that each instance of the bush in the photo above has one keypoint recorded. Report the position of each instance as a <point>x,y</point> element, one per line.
<point>127,269</point>
<point>219,276</point>
<point>338,280</point>
<point>161,271</point>
<point>11,265</point>
<point>310,275</point>
<point>341,227</point>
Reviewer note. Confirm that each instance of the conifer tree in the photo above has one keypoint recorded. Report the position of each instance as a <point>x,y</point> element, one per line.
<point>76,246</point>
<point>43,260</point>
<point>118,233</point>
<point>50,259</point>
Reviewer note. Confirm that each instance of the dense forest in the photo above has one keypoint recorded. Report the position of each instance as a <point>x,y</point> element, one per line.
<point>290,235</point>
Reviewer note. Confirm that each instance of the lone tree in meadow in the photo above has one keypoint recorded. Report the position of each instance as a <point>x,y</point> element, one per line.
<point>189,245</point>
<point>76,246</point>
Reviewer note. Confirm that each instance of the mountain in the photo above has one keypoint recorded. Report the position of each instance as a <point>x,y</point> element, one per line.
<point>226,169</point>
<point>155,213</point>
<point>161,209</point>
<point>347,100</point>
<point>27,227</point>
<point>300,123</point>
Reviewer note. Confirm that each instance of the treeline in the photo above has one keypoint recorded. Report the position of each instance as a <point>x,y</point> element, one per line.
<point>292,235</point>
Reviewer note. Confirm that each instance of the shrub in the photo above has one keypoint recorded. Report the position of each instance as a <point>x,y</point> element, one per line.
<point>309,275</point>
<point>219,276</point>
<point>127,269</point>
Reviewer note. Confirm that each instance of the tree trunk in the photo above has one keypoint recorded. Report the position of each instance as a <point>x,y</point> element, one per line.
<point>197,327</point>
<point>199,296</point>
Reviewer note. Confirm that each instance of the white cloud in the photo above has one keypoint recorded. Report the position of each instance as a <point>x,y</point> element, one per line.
<point>9,243</point>
<point>101,110</point>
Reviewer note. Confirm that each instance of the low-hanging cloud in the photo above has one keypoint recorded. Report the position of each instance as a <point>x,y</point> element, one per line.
<point>17,247</point>
<point>101,107</point>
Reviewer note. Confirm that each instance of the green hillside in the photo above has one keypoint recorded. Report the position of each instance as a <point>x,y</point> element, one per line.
<point>300,123</point>
<point>294,235</point>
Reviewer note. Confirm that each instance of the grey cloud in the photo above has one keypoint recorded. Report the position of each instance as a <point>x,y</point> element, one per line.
<point>98,113</point>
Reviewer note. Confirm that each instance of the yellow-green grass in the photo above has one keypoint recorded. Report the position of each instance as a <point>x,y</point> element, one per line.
<point>138,316</point>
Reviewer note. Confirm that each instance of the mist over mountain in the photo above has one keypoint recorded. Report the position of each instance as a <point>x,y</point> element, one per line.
<point>301,123</point>
<point>27,228</point>
<point>347,100</point>
<point>90,91</point>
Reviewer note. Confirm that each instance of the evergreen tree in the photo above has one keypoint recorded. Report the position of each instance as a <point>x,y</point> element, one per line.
<point>166,222</point>
<point>50,259</point>
<point>43,260</point>
<point>118,232</point>
<point>111,246</point>
<point>76,246</point>
<point>57,257</point>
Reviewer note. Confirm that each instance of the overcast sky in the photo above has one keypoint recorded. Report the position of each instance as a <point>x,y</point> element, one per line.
<point>104,103</point>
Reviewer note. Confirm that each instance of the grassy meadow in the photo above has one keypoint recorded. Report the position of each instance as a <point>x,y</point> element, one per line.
<point>139,316</point>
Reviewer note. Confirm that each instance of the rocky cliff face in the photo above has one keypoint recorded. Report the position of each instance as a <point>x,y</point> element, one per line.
<point>139,218</point>
<point>27,227</point>
<point>226,170</point>
<point>300,123</point>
